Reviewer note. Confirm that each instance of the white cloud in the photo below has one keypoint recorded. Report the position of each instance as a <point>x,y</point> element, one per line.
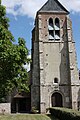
<point>72,5</point>
<point>29,8</point>
<point>24,7</point>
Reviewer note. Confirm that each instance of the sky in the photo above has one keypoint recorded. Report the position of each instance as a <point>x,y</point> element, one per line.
<point>22,15</point>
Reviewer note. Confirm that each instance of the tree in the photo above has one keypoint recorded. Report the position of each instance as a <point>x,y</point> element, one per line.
<point>12,58</point>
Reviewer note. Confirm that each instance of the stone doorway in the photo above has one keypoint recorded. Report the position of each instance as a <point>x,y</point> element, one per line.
<point>57,100</point>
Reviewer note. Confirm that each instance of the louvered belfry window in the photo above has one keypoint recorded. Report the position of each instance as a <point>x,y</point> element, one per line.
<point>54,29</point>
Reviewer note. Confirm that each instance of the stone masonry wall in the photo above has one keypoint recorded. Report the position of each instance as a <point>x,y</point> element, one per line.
<point>53,62</point>
<point>54,59</point>
<point>75,82</point>
<point>5,108</point>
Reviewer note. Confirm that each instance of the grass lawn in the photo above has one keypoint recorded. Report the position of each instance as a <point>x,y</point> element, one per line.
<point>27,117</point>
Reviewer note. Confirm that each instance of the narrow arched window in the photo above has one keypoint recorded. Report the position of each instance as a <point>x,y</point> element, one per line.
<point>51,29</point>
<point>57,29</point>
<point>51,22</point>
<point>57,23</point>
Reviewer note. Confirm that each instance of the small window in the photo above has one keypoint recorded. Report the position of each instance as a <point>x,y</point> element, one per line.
<point>51,29</point>
<point>57,29</point>
<point>57,22</point>
<point>57,34</point>
<point>55,80</point>
<point>51,34</point>
<point>51,22</point>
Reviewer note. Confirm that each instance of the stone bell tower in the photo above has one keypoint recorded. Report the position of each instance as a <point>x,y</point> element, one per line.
<point>55,78</point>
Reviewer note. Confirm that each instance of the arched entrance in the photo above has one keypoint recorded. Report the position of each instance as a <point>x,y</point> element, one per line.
<point>57,100</point>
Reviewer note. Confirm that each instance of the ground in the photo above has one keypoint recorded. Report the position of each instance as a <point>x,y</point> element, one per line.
<point>27,117</point>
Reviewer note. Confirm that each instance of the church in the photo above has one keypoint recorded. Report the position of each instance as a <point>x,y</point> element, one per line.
<point>54,76</point>
<point>54,73</point>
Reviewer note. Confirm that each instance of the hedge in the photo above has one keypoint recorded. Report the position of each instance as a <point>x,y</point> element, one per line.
<point>65,113</point>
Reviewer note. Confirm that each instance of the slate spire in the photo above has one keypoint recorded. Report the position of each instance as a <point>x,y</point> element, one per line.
<point>53,6</point>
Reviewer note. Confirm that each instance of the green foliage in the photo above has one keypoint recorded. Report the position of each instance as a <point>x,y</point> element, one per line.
<point>12,58</point>
<point>34,110</point>
<point>65,113</point>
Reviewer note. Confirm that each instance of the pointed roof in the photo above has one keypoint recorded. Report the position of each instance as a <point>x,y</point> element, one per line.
<point>53,6</point>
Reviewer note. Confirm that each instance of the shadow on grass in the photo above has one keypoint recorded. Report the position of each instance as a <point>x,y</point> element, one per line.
<point>52,117</point>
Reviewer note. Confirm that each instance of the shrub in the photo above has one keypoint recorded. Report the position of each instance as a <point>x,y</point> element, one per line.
<point>65,113</point>
<point>34,110</point>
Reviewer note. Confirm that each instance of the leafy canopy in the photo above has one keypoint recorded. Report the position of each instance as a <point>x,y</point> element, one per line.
<point>12,58</point>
